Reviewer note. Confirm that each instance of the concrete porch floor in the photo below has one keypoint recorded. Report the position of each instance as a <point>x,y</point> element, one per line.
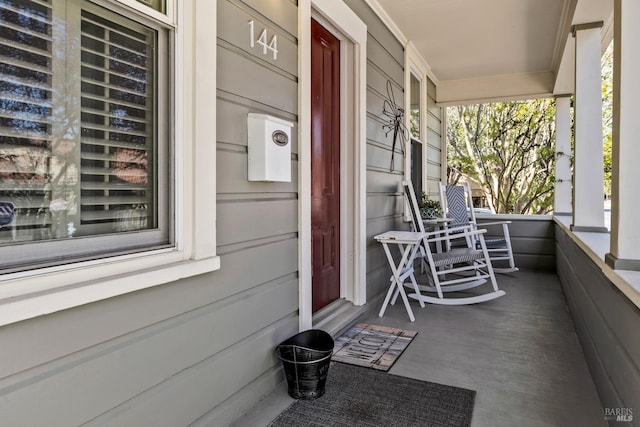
<point>519,352</point>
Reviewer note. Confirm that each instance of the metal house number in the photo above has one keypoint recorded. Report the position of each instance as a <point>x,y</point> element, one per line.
<point>262,40</point>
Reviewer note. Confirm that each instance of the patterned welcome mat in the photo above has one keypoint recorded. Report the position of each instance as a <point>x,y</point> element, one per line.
<point>371,346</point>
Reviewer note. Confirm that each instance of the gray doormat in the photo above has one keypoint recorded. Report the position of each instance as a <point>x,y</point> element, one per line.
<point>372,346</point>
<point>357,396</point>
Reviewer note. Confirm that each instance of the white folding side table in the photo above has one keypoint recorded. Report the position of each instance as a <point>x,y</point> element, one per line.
<point>408,243</point>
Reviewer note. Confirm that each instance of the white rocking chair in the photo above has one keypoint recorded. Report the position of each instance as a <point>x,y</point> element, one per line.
<point>456,200</point>
<point>457,269</point>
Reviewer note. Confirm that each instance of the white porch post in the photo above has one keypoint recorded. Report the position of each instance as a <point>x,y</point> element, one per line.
<point>625,203</point>
<point>588,200</point>
<point>562,199</point>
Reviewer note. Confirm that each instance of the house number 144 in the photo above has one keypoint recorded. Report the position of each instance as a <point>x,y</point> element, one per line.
<point>262,40</point>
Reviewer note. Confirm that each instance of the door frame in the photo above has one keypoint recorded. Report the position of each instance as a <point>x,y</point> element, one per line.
<point>352,33</point>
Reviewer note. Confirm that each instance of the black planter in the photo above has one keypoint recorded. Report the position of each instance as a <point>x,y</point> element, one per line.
<point>305,358</point>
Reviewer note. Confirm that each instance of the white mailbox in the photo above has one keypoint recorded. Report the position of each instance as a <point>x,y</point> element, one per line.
<point>269,148</point>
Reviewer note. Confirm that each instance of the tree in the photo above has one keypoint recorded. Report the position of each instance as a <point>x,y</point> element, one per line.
<point>607,114</point>
<point>508,149</point>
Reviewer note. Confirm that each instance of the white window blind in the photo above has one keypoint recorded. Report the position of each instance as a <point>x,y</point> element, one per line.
<point>81,154</point>
<point>26,93</point>
<point>116,126</point>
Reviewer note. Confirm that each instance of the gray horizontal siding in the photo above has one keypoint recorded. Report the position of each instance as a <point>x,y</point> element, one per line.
<point>532,241</point>
<point>257,221</point>
<point>383,205</point>
<point>379,158</point>
<point>282,13</point>
<point>607,325</point>
<point>53,337</point>
<point>272,217</point>
<point>232,164</point>
<point>249,78</point>
<point>385,62</point>
<point>233,29</point>
<point>140,346</point>
<point>378,31</point>
<point>206,341</point>
<point>111,377</point>
<point>376,134</point>
<point>376,95</point>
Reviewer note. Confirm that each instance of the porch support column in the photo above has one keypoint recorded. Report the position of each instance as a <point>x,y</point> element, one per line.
<point>562,199</point>
<point>625,200</point>
<point>588,198</point>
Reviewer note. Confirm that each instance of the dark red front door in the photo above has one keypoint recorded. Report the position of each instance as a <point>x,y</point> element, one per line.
<point>325,165</point>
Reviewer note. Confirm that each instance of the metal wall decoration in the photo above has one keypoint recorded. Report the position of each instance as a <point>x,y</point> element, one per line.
<point>395,115</point>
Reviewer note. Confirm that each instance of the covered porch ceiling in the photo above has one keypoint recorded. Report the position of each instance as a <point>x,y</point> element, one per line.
<point>496,49</point>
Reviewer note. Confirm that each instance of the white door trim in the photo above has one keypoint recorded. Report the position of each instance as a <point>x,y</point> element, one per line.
<point>344,20</point>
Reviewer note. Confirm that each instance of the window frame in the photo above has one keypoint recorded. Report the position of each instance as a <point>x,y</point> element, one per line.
<point>415,66</point>
<point>40,291</point>
<point>29,254</point>
<point>168,18</point>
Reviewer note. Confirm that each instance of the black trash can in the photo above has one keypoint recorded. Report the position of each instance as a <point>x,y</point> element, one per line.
<point>305,358</point>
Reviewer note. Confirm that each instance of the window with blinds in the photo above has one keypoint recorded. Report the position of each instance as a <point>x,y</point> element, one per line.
<point>83,160</point>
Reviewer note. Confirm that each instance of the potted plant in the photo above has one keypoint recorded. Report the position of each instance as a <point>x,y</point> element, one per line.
<point>429,209</point>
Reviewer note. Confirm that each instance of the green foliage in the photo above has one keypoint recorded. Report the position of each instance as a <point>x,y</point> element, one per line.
<point>425,203</point>
<point>607,114</point>
<point>508,149</point>
<point>606,148</point>
<point>414,123</point>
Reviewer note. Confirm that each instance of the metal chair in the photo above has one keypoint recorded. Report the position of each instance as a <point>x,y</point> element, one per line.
<point>457,269</point>
<point>456,200</point>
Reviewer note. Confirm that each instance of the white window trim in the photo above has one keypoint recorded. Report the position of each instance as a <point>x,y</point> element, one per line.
<point>168,18</point>
<point>344,20</point>
<point>416,65</point>
<point>28,294</point>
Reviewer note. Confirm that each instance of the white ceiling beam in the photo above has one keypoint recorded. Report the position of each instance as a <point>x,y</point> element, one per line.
<point>496,88</point>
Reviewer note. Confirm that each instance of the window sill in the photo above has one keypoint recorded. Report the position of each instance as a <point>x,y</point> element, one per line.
<point>596,246</point>
<point>23,298</point>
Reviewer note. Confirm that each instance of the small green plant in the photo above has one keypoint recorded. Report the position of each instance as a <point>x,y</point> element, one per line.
<point>429,208</point>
